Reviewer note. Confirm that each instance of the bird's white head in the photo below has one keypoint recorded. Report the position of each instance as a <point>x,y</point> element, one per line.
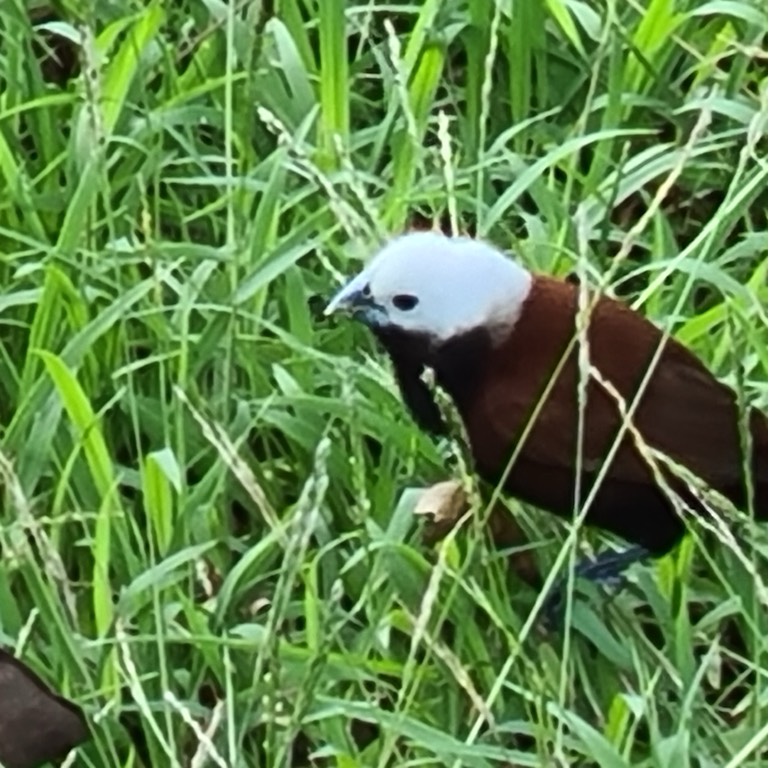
<point>429,283</point>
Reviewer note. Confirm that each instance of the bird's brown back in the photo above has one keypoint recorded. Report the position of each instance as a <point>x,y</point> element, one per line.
<point>685,412</point>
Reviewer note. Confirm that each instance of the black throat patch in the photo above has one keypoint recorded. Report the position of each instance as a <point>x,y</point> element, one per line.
<point>458,364</point>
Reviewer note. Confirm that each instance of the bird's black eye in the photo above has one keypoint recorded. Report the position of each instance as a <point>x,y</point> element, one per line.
<point>405,301</point>
<point>366,290</point>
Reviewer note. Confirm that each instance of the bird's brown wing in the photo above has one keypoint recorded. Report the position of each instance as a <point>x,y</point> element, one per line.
<point>695,420</point>
<point>685,412</point>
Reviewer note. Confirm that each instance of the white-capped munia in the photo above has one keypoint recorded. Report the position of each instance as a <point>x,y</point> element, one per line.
<point>495,333</point>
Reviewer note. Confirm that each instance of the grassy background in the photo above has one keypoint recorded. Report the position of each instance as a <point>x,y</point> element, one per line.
<point>207,530</point>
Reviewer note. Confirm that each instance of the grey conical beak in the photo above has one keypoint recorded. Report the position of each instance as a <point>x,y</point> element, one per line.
<point>356,299</point>
<point>348,297</point>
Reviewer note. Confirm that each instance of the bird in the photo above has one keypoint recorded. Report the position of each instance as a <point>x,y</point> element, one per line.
<point>36,724</point>
<point>502,343</point>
